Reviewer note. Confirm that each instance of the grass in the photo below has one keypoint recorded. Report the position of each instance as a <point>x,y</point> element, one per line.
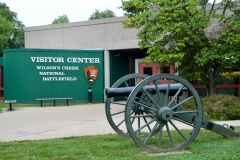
<point>207,145</point>
<point>45,104</point>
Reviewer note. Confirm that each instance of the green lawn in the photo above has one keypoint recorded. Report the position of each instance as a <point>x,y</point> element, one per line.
<point>207,145</point>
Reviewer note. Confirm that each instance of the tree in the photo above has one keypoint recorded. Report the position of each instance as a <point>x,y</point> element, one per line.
<point>5,32</point>
<point>61,19</point>
<point>102,14</point>
<point>11,29</point>
<point>204,43</point>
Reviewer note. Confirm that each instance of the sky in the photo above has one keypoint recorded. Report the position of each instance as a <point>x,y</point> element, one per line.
<point>43,12</point>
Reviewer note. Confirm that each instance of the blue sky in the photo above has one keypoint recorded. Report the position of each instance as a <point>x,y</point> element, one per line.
<point>43,12</point>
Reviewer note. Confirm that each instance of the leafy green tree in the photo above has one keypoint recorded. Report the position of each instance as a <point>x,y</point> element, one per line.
<point>61,19</point>
<point>102,14</point>
<point>11,29</point>
<point>5,32</point>
<point>204,43</point>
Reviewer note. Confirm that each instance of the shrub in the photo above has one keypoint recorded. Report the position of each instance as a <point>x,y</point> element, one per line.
<point>222,107</point>
<point>219,107</point>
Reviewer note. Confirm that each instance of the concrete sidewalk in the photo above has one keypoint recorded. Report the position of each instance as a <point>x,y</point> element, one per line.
<point>34,123</point>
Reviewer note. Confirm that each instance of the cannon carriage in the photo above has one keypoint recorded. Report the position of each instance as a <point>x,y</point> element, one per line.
<point>155,115</point>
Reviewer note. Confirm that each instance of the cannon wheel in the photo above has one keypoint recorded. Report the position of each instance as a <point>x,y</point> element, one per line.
<point>176,124</point>
<point>115,109</point>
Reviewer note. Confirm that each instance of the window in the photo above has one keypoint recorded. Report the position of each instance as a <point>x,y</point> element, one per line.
<point>165,70</point>
<point>230,91</point>
<point>147,70</point>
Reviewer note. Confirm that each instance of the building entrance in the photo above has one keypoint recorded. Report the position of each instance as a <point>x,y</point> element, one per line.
<point>152,68</point>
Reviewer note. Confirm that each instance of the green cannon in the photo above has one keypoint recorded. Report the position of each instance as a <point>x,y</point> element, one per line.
<point>155,115</point>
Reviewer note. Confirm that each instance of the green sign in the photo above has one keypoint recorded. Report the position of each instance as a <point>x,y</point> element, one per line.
<point>30,74</point>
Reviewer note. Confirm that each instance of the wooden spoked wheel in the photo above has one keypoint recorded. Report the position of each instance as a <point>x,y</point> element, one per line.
<point>148,111</point>
<point>115,107</point>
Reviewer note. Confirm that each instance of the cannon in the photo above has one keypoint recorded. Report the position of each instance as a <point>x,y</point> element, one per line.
<point>155,114</point>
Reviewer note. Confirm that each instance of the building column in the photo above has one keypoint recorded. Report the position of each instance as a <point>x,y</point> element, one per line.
<point>106,70</point>
<point>136,65</point>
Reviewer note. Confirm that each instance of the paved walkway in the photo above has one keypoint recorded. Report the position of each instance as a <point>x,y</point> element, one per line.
<point>34,123</point>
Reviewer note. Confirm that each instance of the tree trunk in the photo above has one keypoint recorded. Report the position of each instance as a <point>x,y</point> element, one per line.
<point>210,88</point>
<point>209,78</point>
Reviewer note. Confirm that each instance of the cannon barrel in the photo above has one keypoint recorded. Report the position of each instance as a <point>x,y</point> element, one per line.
<point>125,91</point>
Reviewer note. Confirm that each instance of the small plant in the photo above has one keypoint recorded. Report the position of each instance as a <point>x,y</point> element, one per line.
<point>222,107</point>
<point>219,107</point>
